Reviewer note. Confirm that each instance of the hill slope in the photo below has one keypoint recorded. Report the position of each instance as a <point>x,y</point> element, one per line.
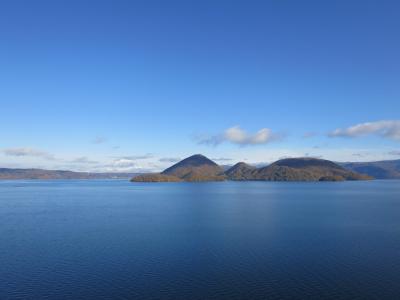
<point>240,171</point>
<point>194,168</point>
<point>306,169</point>
<point>155,177</point>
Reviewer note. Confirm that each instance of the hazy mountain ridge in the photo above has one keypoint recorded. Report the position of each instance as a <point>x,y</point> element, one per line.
<point>8,173</point>
<point>386,169</point>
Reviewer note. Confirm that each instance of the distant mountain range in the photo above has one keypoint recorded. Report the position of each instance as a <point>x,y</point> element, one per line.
<point>200,168</point>
<point>58,174</point>
<point>386,169</point>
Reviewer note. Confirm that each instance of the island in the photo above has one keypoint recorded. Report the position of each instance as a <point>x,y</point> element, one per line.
<point>200,168</point>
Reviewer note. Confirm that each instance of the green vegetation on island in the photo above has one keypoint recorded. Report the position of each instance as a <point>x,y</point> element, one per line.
<point>200,168</point>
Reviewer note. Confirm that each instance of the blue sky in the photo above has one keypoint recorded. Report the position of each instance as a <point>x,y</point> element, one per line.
<point>136,85</point>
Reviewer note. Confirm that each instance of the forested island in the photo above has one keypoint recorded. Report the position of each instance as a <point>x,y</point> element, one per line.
<point>200,168</point>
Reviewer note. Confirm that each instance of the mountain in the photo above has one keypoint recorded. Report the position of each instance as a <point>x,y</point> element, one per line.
<point>240,171</point>
<point>194,168</point>
<point>6,173</point>
<point>200,168</point>
<point>386,169</point>
<point>306,169</point>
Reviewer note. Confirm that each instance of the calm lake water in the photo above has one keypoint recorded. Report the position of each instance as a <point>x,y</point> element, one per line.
<point>227,240</point>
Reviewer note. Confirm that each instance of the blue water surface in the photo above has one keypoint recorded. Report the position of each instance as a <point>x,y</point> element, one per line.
<point>112,239</point>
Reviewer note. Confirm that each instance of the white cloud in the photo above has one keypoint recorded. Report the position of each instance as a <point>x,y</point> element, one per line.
<point>126,165</point>
<point>237,135</point>
<point>35,158</point>
<point>122,163</point>
<point>20,152</point>
<point>387,129</point>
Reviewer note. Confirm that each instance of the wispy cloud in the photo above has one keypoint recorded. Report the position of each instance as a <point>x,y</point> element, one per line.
<point>237,135</point>
<point>395,152</point>
<point>126,165</point>
<point>309,134</point>
<point>386,128</point>
<point>312,155</point>
<point>136,157</point>
<point>83,160</point>
<point>129,163</point>
<point>169,159</point>
<point>122,163</point>
<point>99,140</point>
<point>222,159</point>
<point>19,152</point>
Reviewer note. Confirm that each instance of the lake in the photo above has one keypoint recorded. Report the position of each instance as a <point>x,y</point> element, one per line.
<point>104,239</point>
